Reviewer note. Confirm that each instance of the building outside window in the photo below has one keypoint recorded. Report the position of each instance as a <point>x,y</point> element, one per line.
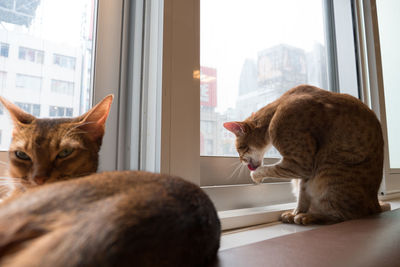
<point>62,87</point>
<point>33,109</point>
<point>32,55</point>
<point>39,37</point>
<point>4,49</point>
<point>28,82</point>
<point>64,61</point>
<point>55,111</point>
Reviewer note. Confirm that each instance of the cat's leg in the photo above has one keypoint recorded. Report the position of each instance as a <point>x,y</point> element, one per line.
<point>303,203</point>
<point>283,169</point>
<point>338,196</point>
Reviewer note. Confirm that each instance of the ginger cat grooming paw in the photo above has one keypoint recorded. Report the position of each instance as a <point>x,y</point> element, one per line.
<point>49,150</point>
<point>331,142</point>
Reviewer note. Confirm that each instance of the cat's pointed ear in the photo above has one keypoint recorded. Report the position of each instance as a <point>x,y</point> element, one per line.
<point>235,127</point>
<point>94,120</point>
<point>17,114</point>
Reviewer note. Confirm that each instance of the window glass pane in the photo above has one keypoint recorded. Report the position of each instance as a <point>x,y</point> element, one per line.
<point>29,82</point>
<point>45,57</point>
<point>62,87</point>
<point>388,21</point>
<point>250,54</point>
<point>4,50</point>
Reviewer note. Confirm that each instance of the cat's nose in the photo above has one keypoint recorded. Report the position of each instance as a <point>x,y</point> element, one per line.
<point>39,180</point>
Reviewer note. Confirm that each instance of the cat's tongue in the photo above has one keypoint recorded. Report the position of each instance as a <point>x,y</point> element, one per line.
<point>251,167</point>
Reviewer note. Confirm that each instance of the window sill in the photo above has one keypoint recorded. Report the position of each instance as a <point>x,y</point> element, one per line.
<point>239,218</point>
<point>243,236</point>
<point>249,235</point>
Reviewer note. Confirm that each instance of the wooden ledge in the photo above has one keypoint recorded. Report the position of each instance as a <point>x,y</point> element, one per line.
<point>373,241</point>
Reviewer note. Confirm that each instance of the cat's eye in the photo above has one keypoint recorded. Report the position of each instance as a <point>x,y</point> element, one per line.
<point>65,153</point>
<point>243,148</point>
<point>22,155</point>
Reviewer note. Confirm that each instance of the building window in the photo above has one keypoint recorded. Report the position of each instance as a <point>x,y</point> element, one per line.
<point>33,109</point>
<point>28,82</point>
<point>4,48</point>
<point>3,79</point>
<point>55,111</point>
<point>62,87</point>
<point>64,61</point>
<point>32,55</point>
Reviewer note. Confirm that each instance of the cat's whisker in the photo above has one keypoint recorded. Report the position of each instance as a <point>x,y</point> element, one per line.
<point>4,163</point>
<point>242,170</point>
<point>235,163</point>
<point>9,182</point>
<point>238,164</point>
<point>76,126</point>
<point>12,181</point>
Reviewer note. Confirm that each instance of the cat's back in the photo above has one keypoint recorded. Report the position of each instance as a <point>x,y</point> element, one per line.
<point>315,107</point>
<point>341,125</point>
<point>119,218</point>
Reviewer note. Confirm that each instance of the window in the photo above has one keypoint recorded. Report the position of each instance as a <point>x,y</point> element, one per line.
<point>3,79</point>
<point>245,69</point>
<point>64,61</point>
<point>4,48</point>
<point>69,28</point>
<point>62,87</point>
<point>60,111</point>
<point>33,109</point>
<point>31,55</point>
<point>28,82</point>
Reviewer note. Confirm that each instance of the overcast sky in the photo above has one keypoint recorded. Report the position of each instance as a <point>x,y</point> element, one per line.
<point>60,20</point>
<point>233,30</point>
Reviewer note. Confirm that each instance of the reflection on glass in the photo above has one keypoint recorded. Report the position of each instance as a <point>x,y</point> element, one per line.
<point>251,52</point>
<point>46,50</point>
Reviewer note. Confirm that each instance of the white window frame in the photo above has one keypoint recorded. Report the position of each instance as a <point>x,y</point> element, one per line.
<point>372,80</point>
<point>109,72</point>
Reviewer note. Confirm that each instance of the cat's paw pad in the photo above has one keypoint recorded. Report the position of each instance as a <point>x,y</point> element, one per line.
<point>287,217</point>
<point>303,218</point>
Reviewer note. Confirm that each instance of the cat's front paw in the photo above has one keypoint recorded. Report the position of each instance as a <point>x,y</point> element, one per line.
<point>287,217</point>
<point>256,176</point>
<point>304,219</point>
